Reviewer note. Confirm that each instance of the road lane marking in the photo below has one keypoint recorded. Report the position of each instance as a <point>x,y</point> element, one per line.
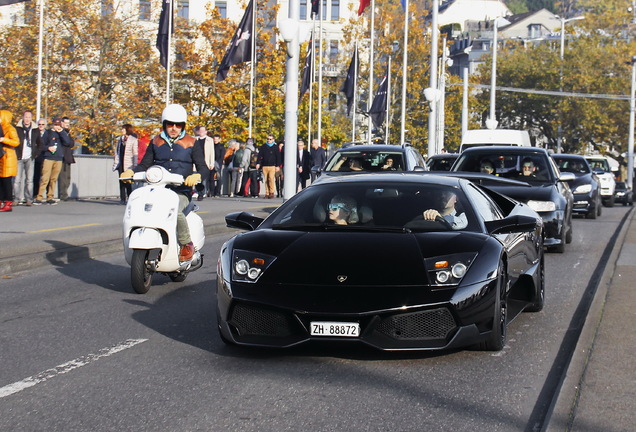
<point>66,367</point>
<point>64,228</point>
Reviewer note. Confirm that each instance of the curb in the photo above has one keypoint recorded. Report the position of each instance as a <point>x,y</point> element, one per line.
<point>57,257</point>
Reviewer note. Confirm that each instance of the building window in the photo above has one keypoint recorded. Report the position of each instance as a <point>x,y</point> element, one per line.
<point>222,8</point>
<point>335,10</point>
<point>304,12</point>
<point>534,30</point>
<point>333,52</point>
<point>107,7</point>
<point>144,10</point>
<point>183,9</point>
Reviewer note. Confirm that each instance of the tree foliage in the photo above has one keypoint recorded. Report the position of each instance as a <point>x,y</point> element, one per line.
<point>593,65</point>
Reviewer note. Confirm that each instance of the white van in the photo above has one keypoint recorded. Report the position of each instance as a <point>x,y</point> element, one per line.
<point>484,137</point>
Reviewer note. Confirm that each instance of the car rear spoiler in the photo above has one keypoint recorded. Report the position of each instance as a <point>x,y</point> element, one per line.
<point>479,178</point>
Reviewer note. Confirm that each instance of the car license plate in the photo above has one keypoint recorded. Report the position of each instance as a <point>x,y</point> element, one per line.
<point>337,329</point>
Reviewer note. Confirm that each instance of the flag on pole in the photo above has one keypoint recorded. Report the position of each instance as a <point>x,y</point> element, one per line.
<point>349,86</point>
<point>162,34</point>
<point>308,69</point>
<point>315,7</point>
<point>363,6</point>
<point>378,107</point>
<point>240,50</point>
<point>8,2</point>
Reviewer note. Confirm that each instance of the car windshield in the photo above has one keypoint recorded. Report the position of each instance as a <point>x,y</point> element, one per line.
<point>366,206</point>
<point>599,164</point>
<point>573,165</point>
<point>441,163</point>
<point>357,160</point>
<point>527,166</point>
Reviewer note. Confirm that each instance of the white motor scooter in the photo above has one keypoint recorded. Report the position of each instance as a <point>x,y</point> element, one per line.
<point>150,230</point>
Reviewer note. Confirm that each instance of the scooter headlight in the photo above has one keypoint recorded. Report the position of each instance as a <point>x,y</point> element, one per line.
<point>154,174</point>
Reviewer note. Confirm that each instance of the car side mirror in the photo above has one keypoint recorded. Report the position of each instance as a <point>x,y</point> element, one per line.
<point>243,220</point>
<point>512,224</point>
<point>567,176</point>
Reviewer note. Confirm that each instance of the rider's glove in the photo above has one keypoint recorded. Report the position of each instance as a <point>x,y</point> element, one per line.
<point>192,179</point>
<point>126,176</point>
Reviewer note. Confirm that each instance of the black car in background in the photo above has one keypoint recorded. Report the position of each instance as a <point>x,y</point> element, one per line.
<point>586,186</point>
<point>623,194</point>
<point>545,189</point>
<point>384,276</point>
<point>383,158</point>
<point>441,161</point>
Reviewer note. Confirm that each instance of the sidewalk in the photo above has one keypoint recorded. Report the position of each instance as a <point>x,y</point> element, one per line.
<point>78,229</point>
<point>599,391</point>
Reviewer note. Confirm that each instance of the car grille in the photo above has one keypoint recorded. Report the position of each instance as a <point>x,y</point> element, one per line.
<point>429,324</point>
<point>254,321</point>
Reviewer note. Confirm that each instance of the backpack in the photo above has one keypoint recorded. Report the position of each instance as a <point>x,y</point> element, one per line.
<point>238,157</point>
<point>253,159</point>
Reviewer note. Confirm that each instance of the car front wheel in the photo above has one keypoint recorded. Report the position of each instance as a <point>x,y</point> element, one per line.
<point>497,338</point>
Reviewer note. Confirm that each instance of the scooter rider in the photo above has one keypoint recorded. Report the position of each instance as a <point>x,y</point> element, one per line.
<point>176,151</point>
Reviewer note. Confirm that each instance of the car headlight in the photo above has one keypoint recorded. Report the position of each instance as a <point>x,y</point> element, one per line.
<point>542,206</point>
<point>449,269</point>
<point>249,266</point>
<point>584,188</point>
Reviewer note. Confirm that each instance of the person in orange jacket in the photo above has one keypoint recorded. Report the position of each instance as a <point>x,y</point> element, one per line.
<point>9,160</point>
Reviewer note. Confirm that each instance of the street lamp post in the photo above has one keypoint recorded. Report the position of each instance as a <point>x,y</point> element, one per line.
<point>630,140</point>
<point>491,123</point>
<point>561,52</point>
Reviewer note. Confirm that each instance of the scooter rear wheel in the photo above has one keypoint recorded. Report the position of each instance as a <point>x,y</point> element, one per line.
<point>140,276</point>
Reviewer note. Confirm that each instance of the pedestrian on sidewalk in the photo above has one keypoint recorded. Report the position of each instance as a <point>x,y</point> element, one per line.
<point>9,161</point>
<point>53,144</point>
<point>67,160</point>
<point>126,152</point>
<point>29,137</point>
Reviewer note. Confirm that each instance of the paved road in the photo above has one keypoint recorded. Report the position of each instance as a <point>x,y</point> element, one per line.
<point>81,351</point>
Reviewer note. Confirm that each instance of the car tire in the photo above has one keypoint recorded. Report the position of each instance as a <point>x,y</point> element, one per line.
<point>609,202</point>
<point>560,248</point>
<point>599,208</point>
<point>569,235</point>
<point>595,210</point>
<point>497,338</point>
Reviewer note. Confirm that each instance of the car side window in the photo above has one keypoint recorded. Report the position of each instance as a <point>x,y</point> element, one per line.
<point>483,205</point>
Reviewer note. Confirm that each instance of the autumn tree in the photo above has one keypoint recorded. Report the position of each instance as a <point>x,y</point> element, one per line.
<point>99,69</point>
<point>593,69</point>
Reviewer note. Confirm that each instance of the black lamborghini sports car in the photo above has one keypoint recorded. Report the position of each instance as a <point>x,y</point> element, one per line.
<point>354,259</point>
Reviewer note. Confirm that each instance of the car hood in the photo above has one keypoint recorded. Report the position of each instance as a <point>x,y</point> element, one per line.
<point>365,259</point>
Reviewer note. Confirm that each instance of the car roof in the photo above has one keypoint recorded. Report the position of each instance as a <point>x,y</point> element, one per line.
<point>567,156</point>
<point>403,177</point>
<point>445,156</point>
<point>373,147</point>
<point>505,150</point>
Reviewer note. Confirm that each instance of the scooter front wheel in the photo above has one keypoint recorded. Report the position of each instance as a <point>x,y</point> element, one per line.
<point>140,276</point>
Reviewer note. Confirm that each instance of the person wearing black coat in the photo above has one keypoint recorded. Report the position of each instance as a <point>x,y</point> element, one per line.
<point>303,165</point>
<point>269,160</point>
<point>26,152</point>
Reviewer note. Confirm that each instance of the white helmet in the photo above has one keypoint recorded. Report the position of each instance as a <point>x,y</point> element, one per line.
<point>174,113</point>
